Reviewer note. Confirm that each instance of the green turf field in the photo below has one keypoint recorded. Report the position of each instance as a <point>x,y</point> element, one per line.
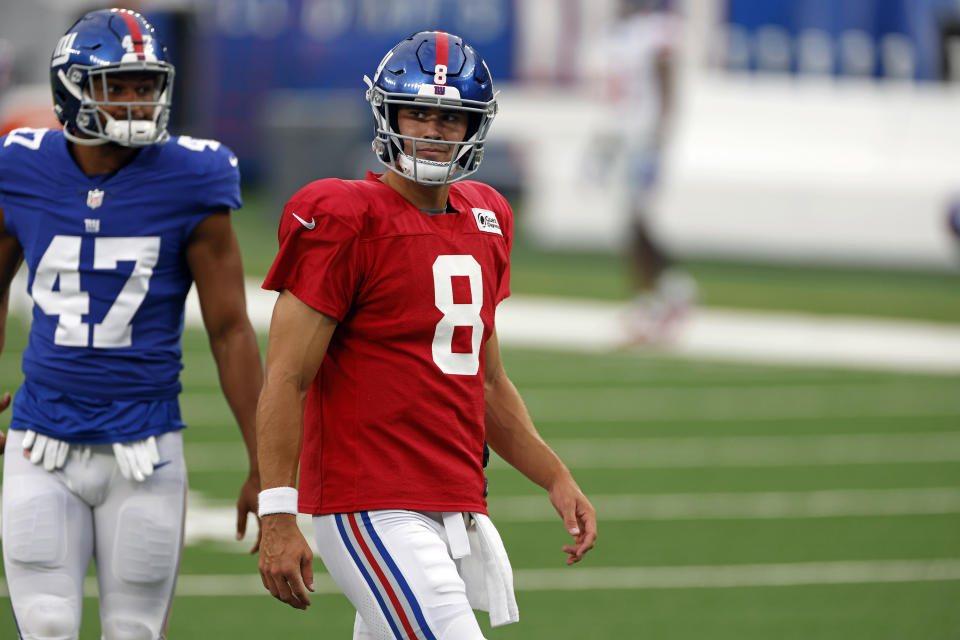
<point>736,501</point>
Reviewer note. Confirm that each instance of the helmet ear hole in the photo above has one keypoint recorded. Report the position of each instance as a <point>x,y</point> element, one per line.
<point>473,125</point>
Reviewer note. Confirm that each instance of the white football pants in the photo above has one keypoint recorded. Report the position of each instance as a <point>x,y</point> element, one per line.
<point>395,567</point>
<point>53,523</point>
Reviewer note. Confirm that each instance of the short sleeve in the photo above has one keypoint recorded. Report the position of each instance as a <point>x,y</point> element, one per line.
<point>506,227</point>
<point>221,180</point>
<point>206,175</point>
<point>318,256</point>
<point>503,290</point>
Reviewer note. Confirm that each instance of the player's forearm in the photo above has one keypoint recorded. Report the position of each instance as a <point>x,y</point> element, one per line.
<point>511,433</point>
<point>237,355</point>
<point>4,306</point>
<point>279,432</point>
<point>11,255</point>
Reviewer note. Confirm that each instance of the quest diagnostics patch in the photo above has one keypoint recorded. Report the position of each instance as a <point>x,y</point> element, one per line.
<point>487,221</point>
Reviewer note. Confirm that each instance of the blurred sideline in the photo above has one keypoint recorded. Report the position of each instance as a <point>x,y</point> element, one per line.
<point>781,338</point>
<point>725,334</point>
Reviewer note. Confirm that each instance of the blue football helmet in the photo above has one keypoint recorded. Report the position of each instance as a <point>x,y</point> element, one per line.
<point>109,41</point>
<point>434,69</point>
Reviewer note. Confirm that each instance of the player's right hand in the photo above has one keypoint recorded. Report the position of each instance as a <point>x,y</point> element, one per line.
<point>44,450</point>
<point>286,560</point>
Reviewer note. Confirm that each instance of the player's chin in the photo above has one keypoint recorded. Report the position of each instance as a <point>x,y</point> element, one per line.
<point>435,156</point>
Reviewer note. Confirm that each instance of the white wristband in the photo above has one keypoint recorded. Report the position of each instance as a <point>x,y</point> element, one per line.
<point>277,500</point>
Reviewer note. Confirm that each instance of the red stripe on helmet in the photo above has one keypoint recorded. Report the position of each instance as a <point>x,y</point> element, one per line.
<point>136,35</point>
<point>443,49</point>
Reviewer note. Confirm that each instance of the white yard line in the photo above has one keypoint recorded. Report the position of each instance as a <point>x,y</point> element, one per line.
<point>725,334</point>
<point>693,452</point>
<point>712,403</point>
<point>619,578</point>
<point>766,505</point>
<point>750,575</point>
<point>742,402</point>
<point>215,521</point>
<point>760,451</point>
<point>753,336</point>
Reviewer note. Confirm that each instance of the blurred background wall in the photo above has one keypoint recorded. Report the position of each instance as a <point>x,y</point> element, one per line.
<point>805,130</point>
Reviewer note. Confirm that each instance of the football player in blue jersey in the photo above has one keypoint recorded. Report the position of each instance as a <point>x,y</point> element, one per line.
<point>114,218</point>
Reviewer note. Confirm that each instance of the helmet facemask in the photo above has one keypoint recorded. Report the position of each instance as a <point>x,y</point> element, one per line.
<point>389,143</point>
<point>87,83</point>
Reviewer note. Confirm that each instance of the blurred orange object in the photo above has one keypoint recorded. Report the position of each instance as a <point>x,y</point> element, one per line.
<point>27,106</point>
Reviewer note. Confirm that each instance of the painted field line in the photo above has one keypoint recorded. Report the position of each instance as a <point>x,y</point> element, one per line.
<point>692,452</point>
<point>584,578</point>
<point>701,403</point>
<point>726,334</point>
<point>742,402</point>
<point>727,576</point>
<point>758,451</point>
<point>752,336</point>
<point>207,521</point>
<point>742,506</point>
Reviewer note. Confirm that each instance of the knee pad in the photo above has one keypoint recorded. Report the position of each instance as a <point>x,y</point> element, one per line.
<point>126,629</point>
<point>147,550</point>
<point>49,618</point>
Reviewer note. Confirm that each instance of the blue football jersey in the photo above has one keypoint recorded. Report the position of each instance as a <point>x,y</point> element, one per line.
<point>106,257</point>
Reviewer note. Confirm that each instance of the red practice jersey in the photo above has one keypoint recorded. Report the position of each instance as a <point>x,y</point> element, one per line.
<point>395,416</point>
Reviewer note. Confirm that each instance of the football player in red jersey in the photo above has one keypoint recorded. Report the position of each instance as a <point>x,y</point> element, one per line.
<point>384,375</point>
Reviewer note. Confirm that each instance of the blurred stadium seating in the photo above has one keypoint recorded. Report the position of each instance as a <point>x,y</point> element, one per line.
<point>807,130</point>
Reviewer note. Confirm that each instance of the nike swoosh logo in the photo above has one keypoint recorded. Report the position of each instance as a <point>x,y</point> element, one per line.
<point>308,225</point>
<point>162,463</point>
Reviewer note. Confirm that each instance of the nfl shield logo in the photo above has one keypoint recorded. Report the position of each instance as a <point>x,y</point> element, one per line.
<point>94,198</point>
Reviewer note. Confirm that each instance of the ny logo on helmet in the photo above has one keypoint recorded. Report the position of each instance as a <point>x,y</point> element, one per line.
<point>64,48</point>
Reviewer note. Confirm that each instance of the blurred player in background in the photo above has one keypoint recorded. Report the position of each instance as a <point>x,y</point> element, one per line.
<point>383,361</point>
<point>953,220</point>
<point>642,48</point>
<point>115,219</point>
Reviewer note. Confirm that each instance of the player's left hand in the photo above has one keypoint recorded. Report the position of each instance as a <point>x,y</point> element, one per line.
<point>4,403</point>
<point>247,503</point>
<point>579,517</point>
